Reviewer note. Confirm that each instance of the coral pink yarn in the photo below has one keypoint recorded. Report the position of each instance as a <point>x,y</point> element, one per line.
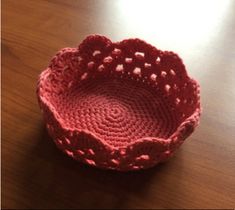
<point>123,106</point>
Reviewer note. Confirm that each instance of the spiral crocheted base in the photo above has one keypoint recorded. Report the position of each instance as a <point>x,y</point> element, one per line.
<point>123,106</point>
<point>117,111</point>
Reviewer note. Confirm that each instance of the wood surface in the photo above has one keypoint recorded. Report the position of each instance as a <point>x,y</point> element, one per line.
<point>36,175</point>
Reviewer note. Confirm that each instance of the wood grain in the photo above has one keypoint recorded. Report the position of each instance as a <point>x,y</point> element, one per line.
<point>36,175</point>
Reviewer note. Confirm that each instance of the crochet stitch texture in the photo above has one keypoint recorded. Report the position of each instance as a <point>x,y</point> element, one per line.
<point>123,106</point>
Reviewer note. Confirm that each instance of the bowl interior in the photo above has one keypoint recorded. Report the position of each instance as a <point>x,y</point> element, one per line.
<point>119,111</point>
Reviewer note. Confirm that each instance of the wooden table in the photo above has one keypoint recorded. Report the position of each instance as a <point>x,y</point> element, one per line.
<point>36,175</point>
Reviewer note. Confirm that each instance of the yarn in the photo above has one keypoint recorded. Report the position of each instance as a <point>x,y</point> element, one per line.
<point>123,106</point>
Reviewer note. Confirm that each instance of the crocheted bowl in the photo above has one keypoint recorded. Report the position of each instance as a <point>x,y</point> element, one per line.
<point>123,106</point>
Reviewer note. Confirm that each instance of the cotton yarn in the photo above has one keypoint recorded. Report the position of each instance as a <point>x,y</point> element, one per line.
<point>122,106</point>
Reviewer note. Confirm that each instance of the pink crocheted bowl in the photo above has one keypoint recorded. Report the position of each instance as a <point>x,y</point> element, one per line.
<point>123,106</point>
